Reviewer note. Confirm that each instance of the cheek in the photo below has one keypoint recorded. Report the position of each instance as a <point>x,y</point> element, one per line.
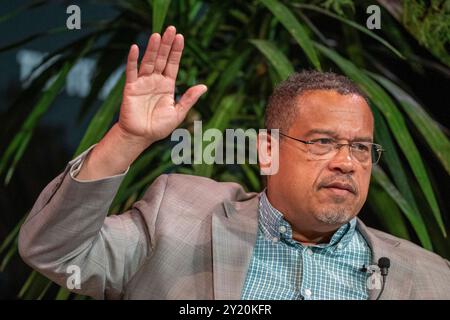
<point>364,182</point>
<point>299,175</point>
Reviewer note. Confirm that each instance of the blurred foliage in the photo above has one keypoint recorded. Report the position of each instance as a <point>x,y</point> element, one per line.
<point>241,50</point>
<point>429,22</point>
<point>338,6</point>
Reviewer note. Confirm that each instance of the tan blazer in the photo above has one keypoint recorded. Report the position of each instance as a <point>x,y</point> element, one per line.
<point>189,237</point>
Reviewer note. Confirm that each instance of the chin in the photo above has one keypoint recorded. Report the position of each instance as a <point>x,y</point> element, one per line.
<point>337,216</point>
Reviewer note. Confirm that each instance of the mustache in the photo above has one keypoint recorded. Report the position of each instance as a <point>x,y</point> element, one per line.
<point>341,181</point>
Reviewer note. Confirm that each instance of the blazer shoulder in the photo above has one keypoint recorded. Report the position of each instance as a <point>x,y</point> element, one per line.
<point>206,187</point>
<point>424,258</point>
<point>182,194</point>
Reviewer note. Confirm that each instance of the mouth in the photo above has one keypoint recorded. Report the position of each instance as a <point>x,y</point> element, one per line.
<point>340,188</point>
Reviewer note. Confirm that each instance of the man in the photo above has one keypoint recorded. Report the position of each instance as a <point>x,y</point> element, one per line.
<point>194,238</point>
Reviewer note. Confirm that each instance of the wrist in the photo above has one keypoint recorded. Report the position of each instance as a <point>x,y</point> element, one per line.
<point>129,139</point>
<point>115,152</point>
<point>121,149</point>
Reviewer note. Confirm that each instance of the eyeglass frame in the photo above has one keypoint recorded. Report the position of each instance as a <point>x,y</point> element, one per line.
<point>379,148</point>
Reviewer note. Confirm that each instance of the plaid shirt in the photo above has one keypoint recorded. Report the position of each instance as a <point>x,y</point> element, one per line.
<point>283,269</point>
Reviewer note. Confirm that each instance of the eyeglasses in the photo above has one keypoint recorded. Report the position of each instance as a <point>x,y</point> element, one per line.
<point>326,148</point>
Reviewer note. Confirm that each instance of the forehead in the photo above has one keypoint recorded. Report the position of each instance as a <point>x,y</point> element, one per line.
<point>349,116</point>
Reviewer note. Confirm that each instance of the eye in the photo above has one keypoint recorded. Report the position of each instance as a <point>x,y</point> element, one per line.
<point>323,141</point>
<point>360,147</point>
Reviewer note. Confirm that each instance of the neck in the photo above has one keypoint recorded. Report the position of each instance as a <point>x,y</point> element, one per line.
<point>311,237</point>
<point>306,229</point>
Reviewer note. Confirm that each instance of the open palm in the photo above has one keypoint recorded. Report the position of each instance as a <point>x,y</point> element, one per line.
<point>149,110</point>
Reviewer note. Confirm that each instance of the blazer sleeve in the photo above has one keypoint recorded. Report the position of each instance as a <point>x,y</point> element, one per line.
<point>68,234</point>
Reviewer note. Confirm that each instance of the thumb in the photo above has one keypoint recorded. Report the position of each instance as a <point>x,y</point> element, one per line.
<point>190,97</point>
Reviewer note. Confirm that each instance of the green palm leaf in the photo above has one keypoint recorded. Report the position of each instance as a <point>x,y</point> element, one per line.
<point>428,127</point>
<point>275,57</point>
<point>103,118</point>
<point>19,143</point>
<point>160,8</point>
<point>380,177</point>
<point>293,26</point>
<point>353,24</point>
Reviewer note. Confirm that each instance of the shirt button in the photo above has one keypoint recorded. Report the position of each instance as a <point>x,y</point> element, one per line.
<point>282,229</point>
<point>308,293</point>
<point>274,239</point>
<point>339,246</point>
<point>309,252</point>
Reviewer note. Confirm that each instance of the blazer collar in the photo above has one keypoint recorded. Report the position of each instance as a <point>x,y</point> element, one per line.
<point>234,230</point>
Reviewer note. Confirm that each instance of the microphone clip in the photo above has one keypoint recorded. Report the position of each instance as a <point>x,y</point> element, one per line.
<point>370,269</point>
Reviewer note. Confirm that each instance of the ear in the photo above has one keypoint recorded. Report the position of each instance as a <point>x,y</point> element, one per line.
<point>268,151</point>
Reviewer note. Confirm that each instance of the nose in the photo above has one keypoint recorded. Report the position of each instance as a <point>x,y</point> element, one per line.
<point>342,161</point>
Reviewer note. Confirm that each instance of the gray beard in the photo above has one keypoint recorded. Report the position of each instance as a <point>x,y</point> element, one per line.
<point>335,216</point>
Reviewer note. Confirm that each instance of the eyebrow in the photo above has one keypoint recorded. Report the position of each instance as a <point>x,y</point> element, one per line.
<point>334,135</point>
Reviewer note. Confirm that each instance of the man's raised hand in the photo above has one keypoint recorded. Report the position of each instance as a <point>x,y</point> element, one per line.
<point>149,111</point>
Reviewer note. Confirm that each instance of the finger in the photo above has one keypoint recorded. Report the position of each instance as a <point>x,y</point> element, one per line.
<point>149,59</point>
<point>190,97</point>
<point>164,49</point>
<point>131,68</point>
<point>173,62</point>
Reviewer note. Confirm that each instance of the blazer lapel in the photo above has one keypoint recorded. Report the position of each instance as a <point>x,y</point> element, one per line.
<point>234,229</point>
<point>399,278</point>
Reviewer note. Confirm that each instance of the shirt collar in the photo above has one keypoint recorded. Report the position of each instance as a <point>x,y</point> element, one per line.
<point>274,226</point>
